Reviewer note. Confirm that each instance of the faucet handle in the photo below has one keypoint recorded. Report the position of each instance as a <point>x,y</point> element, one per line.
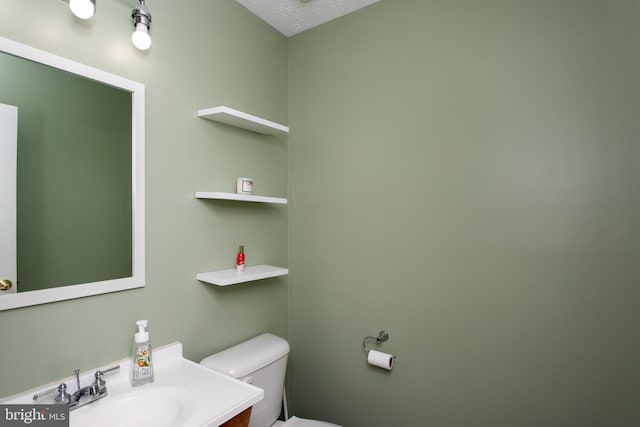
<point>62,397</point>
<point>100,373</point>
<point>99,386</point>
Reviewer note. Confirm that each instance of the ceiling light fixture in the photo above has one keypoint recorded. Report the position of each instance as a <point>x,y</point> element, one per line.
<point>83,9</point>
<point>142,23</point>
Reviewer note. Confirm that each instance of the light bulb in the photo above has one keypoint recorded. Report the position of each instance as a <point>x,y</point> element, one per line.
<point>83,9</point>
<point>141,38</point>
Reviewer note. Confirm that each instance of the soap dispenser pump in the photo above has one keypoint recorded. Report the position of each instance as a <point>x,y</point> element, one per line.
<point>141,367</point>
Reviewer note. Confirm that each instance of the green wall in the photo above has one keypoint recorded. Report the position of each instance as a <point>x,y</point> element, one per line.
<point>210,53</point>
<point>464,174</point>
<point>461,174</point>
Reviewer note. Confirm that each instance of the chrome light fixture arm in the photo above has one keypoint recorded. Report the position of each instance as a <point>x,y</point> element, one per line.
<point>142,24</point>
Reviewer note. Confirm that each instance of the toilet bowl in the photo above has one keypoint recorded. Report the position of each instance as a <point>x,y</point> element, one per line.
<point>261,361</point>
<point>302,422</point>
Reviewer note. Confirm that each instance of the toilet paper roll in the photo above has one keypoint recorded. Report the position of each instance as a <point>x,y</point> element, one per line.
<point>381,360</point>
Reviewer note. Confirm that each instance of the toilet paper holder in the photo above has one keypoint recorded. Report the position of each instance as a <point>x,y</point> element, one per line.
<point>383,336</point>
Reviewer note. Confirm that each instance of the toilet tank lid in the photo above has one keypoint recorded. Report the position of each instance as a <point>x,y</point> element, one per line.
<point>249,356</point>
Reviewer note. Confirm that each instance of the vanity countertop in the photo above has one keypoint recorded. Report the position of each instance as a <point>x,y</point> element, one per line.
<point>183,394</point>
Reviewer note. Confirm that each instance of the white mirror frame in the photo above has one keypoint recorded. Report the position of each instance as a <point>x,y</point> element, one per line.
<point>137,280</point>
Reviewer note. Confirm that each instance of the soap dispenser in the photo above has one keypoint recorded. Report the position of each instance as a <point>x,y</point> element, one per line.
<point>142,368</point>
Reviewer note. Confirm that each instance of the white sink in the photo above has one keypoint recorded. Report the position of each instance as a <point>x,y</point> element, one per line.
<point>184,394</point>
<point>157,407</point>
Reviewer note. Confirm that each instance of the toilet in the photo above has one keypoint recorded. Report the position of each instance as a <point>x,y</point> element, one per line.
<point>261,361</point>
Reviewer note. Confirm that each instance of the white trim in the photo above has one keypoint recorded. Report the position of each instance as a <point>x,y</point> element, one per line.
<point>137,90</point>
<point>243,120</point>
<point>233,277</point>
<point>239,197</point>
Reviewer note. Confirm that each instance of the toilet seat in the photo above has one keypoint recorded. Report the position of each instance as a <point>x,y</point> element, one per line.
<point>301,422</point>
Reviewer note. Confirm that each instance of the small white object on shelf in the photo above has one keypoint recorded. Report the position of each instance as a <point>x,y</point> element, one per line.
<point>239,197</point>
<point>232,277</point>
<point>242,120</point>
<point>244,185</point>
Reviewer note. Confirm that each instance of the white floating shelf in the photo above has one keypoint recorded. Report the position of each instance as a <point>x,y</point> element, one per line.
<point>242,120</point>
<point>232,277</point>
<point>239,197</point>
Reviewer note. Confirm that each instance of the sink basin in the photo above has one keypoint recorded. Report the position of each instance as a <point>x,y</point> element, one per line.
<point>183,394</point>
<point>153,407</point>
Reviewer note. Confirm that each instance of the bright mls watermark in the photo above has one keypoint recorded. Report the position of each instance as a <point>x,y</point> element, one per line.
<point>34,415</point>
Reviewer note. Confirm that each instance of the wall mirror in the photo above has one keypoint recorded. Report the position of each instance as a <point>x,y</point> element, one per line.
<point>71,179</point>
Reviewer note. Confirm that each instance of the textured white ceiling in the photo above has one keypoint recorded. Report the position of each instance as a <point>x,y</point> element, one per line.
<point>294,16</point>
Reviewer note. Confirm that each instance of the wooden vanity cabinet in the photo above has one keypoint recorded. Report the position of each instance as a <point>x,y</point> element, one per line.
<point>240,420</point>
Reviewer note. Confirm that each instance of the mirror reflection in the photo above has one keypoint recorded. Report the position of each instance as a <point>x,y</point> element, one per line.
<point>79,173</point>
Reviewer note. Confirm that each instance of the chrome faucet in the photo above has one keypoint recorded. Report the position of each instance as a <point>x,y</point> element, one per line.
<point>61,397</point>
<point>83,395</point>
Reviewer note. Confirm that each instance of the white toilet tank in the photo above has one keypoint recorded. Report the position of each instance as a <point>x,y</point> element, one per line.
<point>261,361</point>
